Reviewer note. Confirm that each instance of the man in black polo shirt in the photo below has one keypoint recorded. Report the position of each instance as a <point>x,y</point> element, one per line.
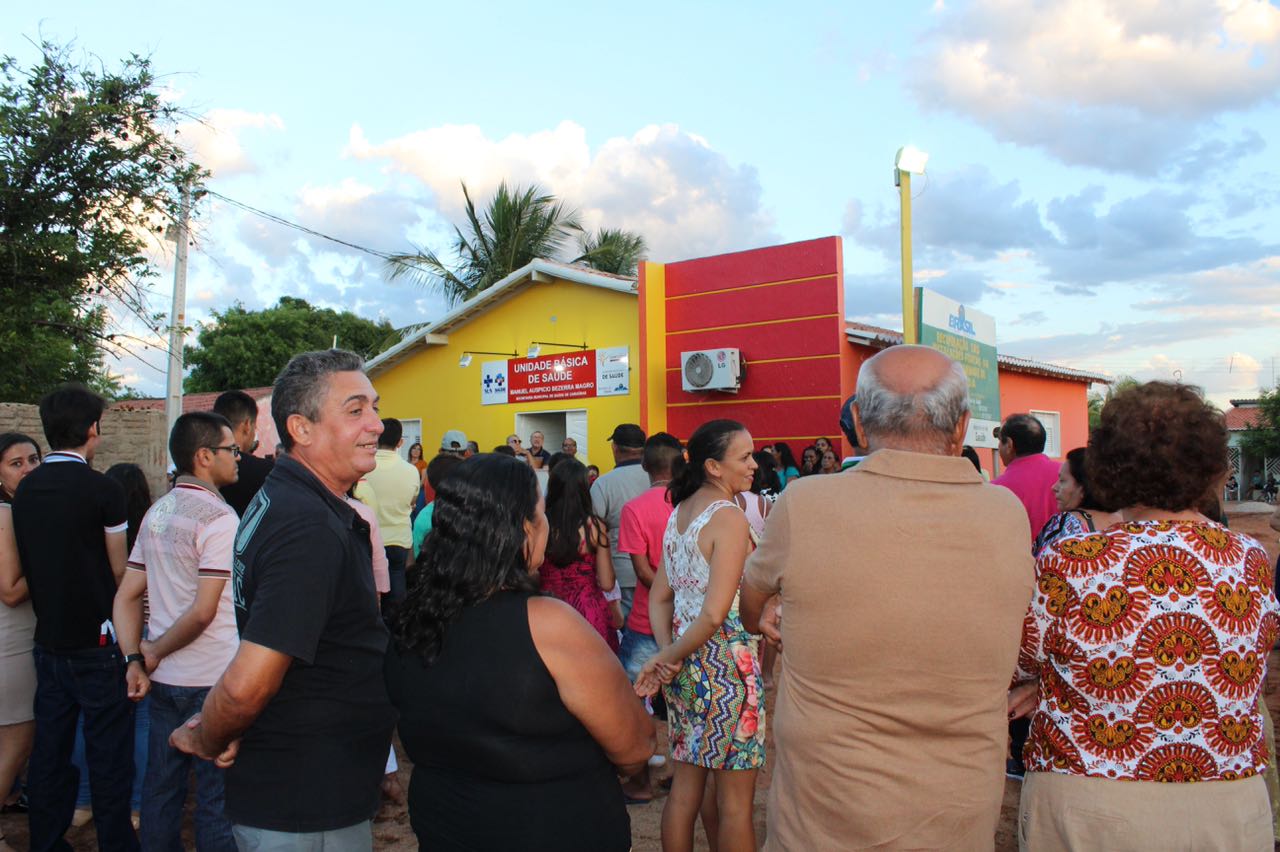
<point>70,523</point>
<point>301,711</point>
<point>241,411</point>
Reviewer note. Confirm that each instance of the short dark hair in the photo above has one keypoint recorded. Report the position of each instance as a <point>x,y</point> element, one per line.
<point>555,459</point>
<point>438,468</point>
<point>504,450</point>
<point>1025,432</point>
<point>661,451</point>
<point>191,431</point>
<point>67,413</point>
<point>1157,444</point>
<point>392,432</point>
<point>301,386</point>
<point>237,406</point>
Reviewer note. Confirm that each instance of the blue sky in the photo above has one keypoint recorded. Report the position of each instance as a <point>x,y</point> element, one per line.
<point>1101,180</point>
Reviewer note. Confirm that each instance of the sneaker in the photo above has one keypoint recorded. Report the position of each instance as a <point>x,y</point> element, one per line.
<point>1013,768</point>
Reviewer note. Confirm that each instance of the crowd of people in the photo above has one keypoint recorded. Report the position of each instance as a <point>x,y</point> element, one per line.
<point>1090,626</point>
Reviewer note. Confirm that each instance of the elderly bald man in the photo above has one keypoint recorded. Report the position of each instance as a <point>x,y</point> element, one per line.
<point>903,584</point>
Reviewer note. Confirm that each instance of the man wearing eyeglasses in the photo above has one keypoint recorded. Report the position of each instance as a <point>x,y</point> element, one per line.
<point>183,555</point>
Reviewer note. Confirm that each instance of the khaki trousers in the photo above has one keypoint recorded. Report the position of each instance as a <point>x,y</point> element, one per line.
<point>1072,812</point>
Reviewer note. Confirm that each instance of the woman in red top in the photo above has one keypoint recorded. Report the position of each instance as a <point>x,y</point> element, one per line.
<point>1145,650</point>
<point>578,569</point>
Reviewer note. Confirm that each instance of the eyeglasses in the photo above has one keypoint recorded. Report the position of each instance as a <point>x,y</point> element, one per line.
<point>514,441</point>
<point>233,449</point>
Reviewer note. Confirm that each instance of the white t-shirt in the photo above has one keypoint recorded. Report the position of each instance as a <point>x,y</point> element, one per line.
<point>186,536</point>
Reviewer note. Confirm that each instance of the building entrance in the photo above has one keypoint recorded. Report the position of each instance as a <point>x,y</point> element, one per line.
<point>555,427</point>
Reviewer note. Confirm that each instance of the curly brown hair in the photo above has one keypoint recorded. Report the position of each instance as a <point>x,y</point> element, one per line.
<point>1160,445</point>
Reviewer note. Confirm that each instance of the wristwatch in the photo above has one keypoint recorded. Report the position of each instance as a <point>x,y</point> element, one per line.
<point>135,658</point>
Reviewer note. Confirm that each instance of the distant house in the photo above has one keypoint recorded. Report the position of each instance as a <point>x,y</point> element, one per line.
<point>1245,413</point>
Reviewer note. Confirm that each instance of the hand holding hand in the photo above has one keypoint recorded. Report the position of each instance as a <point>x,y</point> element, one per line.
<point>771,621</point>
<point>150,658</point>
<point>137,682</point>
<point>653,675</point>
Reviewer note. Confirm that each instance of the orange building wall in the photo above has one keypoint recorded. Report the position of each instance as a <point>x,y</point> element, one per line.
<point>1022,392</point>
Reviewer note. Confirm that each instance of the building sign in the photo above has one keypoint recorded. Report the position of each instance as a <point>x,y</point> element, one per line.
<point>567,375</point>
<point>968,337</point>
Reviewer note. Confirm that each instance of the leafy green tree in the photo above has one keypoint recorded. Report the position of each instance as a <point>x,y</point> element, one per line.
<point>1263,441</point>
<point>88,165</point>
<point>248,349</point>
<point>519,225</point>
<point>611,250</point>
<point>1098,399</point>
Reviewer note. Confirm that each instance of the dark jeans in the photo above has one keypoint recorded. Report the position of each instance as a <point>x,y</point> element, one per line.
<point>141,724</point>
<point>397,558</point>
<point>164,789</point>
<point>68,684</point>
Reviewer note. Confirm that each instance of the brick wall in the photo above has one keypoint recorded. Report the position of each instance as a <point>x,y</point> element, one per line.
<point>140,437</point>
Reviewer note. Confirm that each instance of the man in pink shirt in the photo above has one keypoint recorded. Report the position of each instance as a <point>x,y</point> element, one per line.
<point>182,560</point>
<point>640,532</point>
<point>1029,473</point>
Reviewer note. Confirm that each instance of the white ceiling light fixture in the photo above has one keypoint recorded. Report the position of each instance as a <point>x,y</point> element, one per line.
<point>465,360</point>
<point>534,350</point>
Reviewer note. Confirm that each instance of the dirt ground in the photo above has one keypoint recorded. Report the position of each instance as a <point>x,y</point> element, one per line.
<point>391,831</point>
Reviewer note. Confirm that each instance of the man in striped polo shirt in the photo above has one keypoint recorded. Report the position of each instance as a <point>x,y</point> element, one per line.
<point>182,560</point>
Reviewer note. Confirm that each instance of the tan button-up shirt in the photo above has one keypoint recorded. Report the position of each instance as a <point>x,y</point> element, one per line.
<point>904,584</point>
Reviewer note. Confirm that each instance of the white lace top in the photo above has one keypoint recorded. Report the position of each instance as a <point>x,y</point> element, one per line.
<point>687,570</point>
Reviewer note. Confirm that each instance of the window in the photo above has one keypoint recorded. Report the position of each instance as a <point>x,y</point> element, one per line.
<point>1052,433</point>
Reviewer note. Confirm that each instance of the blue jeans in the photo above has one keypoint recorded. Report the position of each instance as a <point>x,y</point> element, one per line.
<point>635,650</point>
<point>68,684</point>
<point>141,726</point>
<point>353,838</point>
<point>164,789</point>
<point>397,558</point>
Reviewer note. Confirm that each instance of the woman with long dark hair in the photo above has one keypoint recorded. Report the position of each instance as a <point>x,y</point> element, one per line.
<point>578,569</point>
<point>1079,510</point>
<point>517,717</point>
<point>707,660</point>
<point>19,455</point>
<point>787,467</point>
<point>137,495</point>
<point>809,460</point>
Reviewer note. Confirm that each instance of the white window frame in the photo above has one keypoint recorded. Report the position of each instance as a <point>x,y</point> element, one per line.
<point>1052,422</point>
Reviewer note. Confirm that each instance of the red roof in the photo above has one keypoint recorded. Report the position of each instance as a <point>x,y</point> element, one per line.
<point>1238,418</point>
<point>190,401</point>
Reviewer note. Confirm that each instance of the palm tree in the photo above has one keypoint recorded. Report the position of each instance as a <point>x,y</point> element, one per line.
<point>611,250</point>
<point>1097,400</point>
<point>518,225</point>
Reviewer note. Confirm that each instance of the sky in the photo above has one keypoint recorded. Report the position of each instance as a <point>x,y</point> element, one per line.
<point>1101,179</point>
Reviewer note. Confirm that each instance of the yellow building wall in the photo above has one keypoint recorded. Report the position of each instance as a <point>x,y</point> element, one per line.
<point>430,385</point>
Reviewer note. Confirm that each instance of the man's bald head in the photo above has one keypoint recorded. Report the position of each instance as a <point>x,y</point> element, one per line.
<point>912,397</point>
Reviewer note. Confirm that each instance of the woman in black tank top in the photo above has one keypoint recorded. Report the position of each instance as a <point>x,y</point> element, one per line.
<point>517,717</point>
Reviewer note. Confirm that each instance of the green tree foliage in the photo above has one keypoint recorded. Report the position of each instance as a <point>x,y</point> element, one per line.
<point>88,165</point>
<point>1263,441</point>
<point>1098,399</point>
<point>248,349</point>
<point>611,250</point>
<point>517,226</point>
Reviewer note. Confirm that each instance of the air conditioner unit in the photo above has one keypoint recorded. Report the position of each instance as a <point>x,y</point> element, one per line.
<point>711,370</point>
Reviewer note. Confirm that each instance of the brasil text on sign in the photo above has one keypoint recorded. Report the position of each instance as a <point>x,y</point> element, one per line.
<point>969,338</point>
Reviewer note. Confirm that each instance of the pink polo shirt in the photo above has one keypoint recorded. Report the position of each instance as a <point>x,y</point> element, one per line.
<point>644,520</point>
<point>1032,478</point>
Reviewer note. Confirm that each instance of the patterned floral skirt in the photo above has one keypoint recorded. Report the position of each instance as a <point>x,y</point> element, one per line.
<point>715,704</point>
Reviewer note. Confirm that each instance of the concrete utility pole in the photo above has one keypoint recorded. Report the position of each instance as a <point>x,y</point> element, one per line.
<point>178,314</point>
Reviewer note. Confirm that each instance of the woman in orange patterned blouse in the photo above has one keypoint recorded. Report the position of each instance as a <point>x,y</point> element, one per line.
<point>1144,651</point>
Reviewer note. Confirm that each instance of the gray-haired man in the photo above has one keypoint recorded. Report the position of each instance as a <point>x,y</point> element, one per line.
<point>301,710</point>
<point>903,584</point>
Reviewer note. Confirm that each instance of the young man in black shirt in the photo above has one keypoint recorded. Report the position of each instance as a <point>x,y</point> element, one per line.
<point>301,714</point>
<point>241,411</point>
<point>70,523</point>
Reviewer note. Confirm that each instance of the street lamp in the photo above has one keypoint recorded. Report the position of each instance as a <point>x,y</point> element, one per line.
<point>909,160</point>
<point>465,360</point>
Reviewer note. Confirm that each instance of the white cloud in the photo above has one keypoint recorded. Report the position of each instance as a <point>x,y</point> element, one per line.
<point>214,140</point>
<point>664,183</point>
<point>1119,84</point>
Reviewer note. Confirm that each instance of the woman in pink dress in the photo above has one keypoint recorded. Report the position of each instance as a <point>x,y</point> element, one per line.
<point>577,569</point>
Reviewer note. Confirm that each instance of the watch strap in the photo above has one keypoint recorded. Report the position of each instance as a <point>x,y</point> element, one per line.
<point>134,658</point>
